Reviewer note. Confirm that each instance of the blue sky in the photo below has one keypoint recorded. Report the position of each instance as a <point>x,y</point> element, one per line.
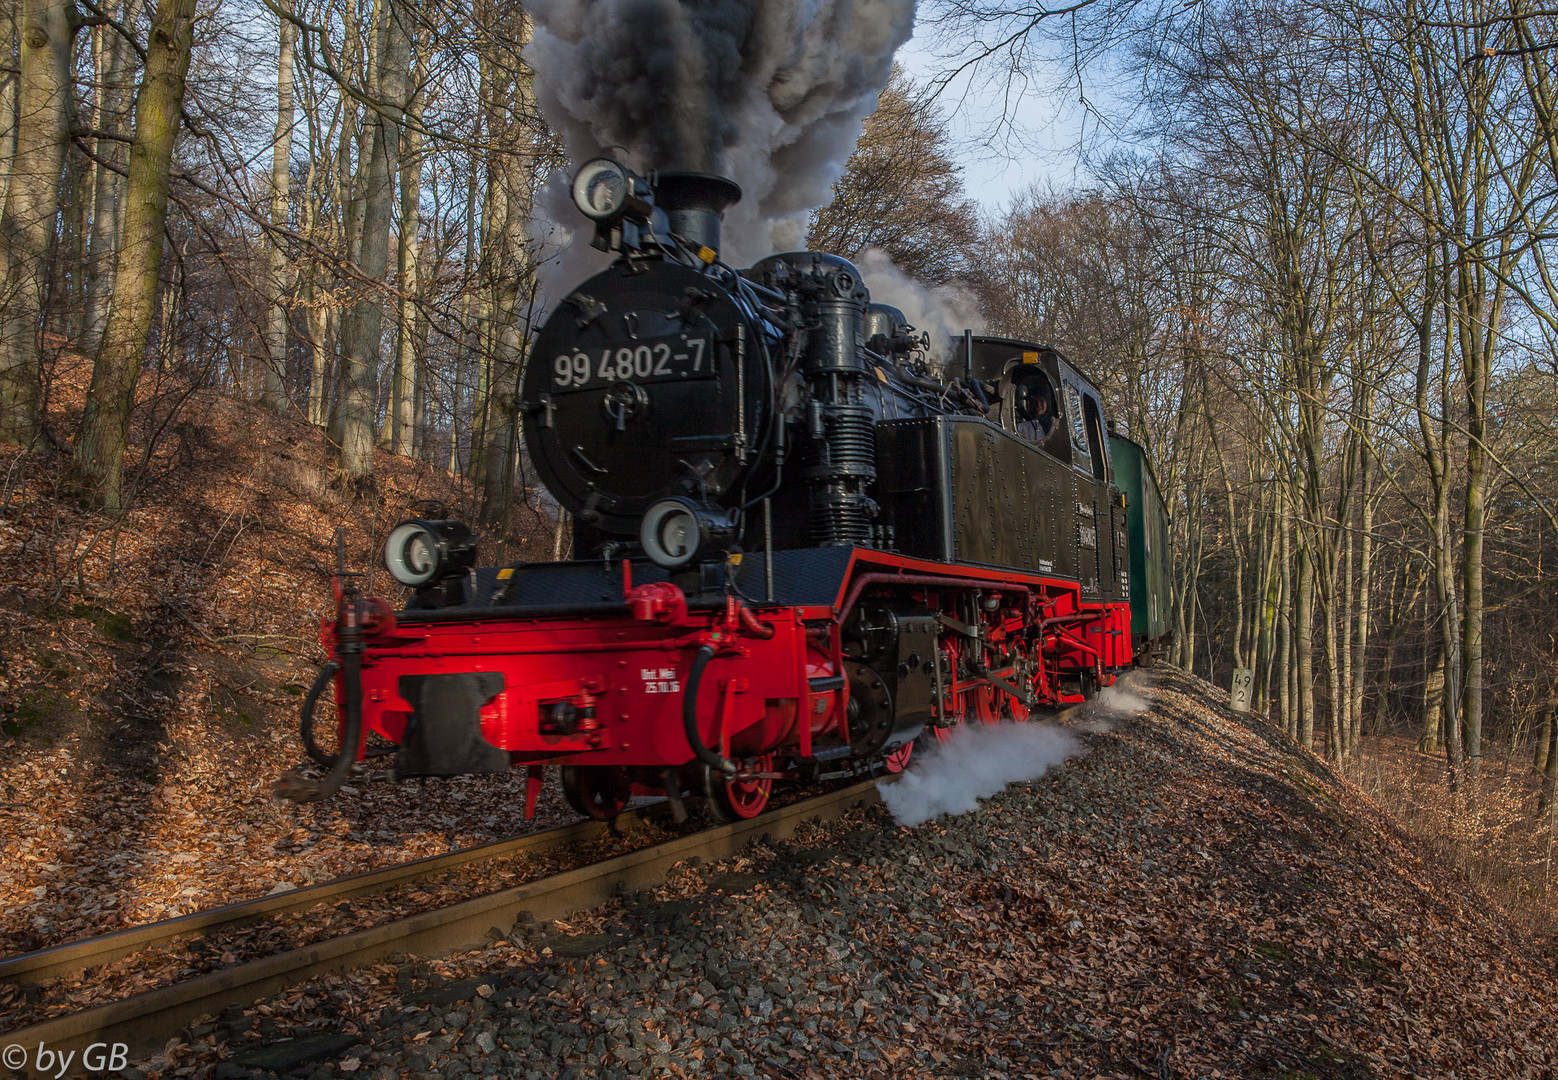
<point>995,169</point>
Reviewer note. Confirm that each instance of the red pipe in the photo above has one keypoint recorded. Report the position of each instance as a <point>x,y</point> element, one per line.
<point>750,623</point>
<point>924,579</point>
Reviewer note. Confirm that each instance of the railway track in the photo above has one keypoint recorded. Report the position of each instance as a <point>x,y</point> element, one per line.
<point>145,1021</point>
<point>73,958</point>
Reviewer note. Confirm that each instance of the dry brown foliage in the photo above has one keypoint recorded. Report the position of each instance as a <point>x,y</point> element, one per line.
<point>1492,832</point>
<point>151,667</point>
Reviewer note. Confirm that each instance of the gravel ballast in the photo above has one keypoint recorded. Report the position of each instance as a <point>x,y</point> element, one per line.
<point>1192,896</point>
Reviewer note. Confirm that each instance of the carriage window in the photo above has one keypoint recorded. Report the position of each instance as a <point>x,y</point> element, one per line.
<point>1095,440</point>
<point>1074,419</point>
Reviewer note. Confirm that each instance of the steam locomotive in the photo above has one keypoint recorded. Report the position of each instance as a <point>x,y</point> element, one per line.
<point>801,546</point>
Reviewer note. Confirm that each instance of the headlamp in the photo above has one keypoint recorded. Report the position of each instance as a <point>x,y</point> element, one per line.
<point>604,189</point>
<point>677,531</point>
<point>421,553</point>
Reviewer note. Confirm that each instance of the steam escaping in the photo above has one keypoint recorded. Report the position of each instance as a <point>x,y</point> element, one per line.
<point>943,312</point>
<point>771,93</point>
<point>975,763</point>
<point>1121,700</point>
<point>1126,698</point>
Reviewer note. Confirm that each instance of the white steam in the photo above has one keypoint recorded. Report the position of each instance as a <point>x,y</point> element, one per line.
<point>943,312</point>
<point>1121,700</point>
<point>562,237</point>
<point>976,762</point>
<point>771,93</point>
<point>1126,698</point>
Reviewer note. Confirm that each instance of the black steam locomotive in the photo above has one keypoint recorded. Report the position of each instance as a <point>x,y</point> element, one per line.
<point>800,545</point>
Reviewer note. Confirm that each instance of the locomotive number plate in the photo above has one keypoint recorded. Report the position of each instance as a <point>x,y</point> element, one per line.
<point>669,358</point>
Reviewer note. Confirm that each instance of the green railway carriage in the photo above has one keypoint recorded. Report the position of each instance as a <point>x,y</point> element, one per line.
<point>1147,523</point>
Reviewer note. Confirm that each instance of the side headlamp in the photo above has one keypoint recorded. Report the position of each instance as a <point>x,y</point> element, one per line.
<point>422,553</point>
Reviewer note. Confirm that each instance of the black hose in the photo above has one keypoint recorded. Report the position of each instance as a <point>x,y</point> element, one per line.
<point>917,380</point>
<point>690,715</point>
<point>349,651</point>
<point>330,783</point>
<point>306,720</point>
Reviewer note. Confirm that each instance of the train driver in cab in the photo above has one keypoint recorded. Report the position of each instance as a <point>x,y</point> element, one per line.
<point>1034,416</point>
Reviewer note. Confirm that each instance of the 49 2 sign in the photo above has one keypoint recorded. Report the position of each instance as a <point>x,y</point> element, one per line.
<point>669,358</point>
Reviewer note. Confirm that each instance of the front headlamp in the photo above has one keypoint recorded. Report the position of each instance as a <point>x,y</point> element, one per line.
<point>678,530</point>
<point>604,189</point>
<point>422,553</point>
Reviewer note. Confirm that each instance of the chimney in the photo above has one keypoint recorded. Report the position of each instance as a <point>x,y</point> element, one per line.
<point>693,204</point>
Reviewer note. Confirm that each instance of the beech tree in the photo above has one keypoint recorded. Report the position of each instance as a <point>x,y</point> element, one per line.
<point>42,98</point>
<point>902,192</point>
<point>99,454</point>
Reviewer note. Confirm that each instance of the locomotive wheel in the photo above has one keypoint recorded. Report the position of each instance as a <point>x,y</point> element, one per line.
<point>936,735</point>
<point>985,705</point>
<point>744,797</point>
<point>898,760</point>
<point>598,792</point>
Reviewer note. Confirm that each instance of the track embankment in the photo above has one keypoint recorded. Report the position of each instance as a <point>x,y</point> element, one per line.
<point>1192,897</point>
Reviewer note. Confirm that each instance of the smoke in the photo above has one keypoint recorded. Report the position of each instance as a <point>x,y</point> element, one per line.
<point>943,312</point>
<point>771,93</point>
<point>564,252</point>
<point>975,763</point>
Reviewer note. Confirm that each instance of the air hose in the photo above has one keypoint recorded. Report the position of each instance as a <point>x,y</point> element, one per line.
<point>349,649</point>
<point>306,721</point>
<point>690,716</point>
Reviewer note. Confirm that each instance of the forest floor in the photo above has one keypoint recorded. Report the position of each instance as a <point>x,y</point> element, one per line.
<point>1494,832</point>
<point>152,664</point>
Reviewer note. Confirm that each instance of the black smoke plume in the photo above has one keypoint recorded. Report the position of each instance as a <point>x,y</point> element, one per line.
<point>771,93</point>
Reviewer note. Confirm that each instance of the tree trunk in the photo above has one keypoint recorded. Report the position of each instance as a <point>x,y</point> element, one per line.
<point>1287,700</point>
<point>510,281</point>
<point>1432,737</point>
<point>408,331</point>
<point>1365,590</point>
<point>1549,799</point>
<point>8,79</point>
<point>469,351</point>
<point>113,117</point>
<point>1303,638</point>
<point>1270,608</point>
<point>273,393</point>
<point>43,103</point>
<point>562,535</point>
<point>99,454</point>
<point>1544,725</point>
<point>363,326</point>
<point>1343,707</point>
<point>1471,573</point>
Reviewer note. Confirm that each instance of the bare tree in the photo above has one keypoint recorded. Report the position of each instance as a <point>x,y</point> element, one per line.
<point>98,462</point>
<point>273,395</point>
<point>27,219</point>
<point>113,120</point>
<point>902,192</point>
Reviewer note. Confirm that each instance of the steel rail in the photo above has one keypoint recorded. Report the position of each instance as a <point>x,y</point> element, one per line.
<point>147,1020</point>
<point>74,957</point>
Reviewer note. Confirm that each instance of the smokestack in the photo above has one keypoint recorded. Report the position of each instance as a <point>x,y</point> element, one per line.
<point>694,202</point>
